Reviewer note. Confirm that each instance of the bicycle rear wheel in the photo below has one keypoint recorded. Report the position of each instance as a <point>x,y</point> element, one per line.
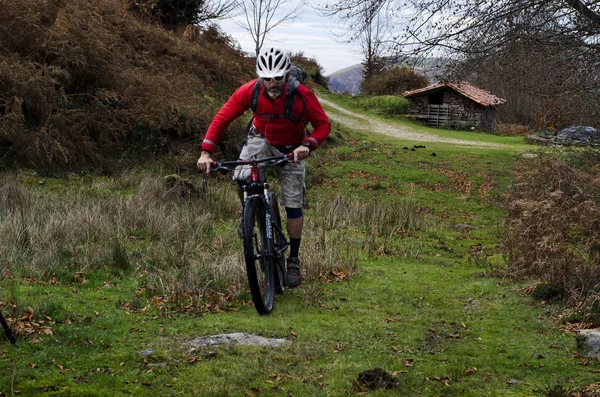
<point>279,245</point>
<point>259,264</point>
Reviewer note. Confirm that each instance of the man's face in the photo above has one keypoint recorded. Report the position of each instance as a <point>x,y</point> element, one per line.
<point>273,87</point>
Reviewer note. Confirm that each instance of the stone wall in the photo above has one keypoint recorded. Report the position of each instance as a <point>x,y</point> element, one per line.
<point>418,105</point>
<point>471,113</point>
<point>488,119</point>
<point>462,110</point>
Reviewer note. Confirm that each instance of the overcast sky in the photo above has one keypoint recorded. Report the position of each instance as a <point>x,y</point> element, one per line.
<point>310,33</point>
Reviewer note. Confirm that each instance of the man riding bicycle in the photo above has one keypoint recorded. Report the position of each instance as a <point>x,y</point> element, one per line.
<point>272,133</point>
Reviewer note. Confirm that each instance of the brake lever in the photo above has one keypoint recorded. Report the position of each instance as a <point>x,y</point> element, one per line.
<point>286,160</point>
<point>217,167</point>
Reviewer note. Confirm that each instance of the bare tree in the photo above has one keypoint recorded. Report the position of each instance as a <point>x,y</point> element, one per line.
<point>369,30</point>
<point>262,16</point>
<point>543,52</point>
<point>479,27</point>
<point>216,9</point>
<point>372,39</point>
<point>423,24</point>
<point>545,60</point>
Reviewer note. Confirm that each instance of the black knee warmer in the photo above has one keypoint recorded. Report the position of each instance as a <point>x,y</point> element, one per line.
<point>293,213</point>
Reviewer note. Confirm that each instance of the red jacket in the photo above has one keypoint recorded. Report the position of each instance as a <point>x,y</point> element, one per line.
<point>278,131</point>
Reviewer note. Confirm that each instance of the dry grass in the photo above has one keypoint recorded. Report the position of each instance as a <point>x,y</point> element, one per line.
<point>174,241</point>
<point>375,227</point>
<point>80,81</point>
<point>554,236</point>
<point>185,246</point>
<point>513,129</point>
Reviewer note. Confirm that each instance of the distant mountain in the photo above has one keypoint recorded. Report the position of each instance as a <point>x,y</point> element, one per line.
<point>348,80</point>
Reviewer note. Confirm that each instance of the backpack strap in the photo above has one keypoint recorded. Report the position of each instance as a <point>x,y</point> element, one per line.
<point>255,95</point>
<point>289,107</point>
<point>290,101</point>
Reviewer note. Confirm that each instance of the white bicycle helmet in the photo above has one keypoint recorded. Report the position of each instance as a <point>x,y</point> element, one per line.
<point>272,62</point>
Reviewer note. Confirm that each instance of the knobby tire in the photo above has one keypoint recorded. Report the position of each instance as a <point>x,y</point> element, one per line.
<point>259,267</point>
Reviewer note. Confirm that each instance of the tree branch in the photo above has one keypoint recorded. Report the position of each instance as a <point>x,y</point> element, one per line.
<point>585,11</point>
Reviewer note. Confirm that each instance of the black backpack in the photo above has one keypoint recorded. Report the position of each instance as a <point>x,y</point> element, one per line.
<point>297,76</point>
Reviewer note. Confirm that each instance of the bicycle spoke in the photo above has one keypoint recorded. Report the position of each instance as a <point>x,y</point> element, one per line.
<point>279,246</point>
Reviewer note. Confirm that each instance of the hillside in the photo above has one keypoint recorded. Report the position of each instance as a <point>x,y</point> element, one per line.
<point>82,82</point>
<point>348,80</point>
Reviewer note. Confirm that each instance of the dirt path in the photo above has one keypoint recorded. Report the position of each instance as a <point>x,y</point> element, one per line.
<point>365,123</point>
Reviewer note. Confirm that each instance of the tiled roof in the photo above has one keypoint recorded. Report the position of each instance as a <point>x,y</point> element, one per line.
<point>462,87</point>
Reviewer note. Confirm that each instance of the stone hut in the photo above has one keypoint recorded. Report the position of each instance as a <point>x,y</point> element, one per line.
<point>454,104</point>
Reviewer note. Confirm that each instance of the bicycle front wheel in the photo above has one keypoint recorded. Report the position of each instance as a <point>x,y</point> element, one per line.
<point>258,257</point>
<point>279,245</point>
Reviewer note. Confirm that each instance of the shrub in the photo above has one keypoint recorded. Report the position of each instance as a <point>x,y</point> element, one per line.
<point>513,129</point>
<point>81,82</point>
<point>554,229</point>
<point>388,105</point>
<point>170,13</point>
<point>393,82</point>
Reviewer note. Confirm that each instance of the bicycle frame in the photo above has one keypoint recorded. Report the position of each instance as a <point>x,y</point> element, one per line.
<point>274,240</point>
<point>255,184</point>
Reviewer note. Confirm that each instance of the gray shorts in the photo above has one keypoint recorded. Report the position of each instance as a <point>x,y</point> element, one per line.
<point>291,176</point>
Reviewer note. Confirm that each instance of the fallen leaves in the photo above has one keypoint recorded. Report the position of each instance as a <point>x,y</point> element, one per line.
<point>470,371</point>
<point>28,326</point>
<point>462,181</point>
<point>187,301</point>
<point>336,275</point>
<point>340,346</point>
<point>81,278</point>
<point>587,390</point>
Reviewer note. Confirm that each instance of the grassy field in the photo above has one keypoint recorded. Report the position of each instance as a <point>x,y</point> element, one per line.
<point>107,278</point>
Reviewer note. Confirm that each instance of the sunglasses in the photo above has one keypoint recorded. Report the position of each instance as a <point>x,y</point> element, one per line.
<point>276,78</point>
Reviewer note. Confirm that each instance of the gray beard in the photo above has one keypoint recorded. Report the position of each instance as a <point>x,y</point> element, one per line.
<point>274,94</point>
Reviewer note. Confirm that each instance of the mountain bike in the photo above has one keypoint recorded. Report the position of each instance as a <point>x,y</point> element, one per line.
<point>264,240</point>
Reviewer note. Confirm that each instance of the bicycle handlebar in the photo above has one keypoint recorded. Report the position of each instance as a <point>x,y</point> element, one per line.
<point>226,166</point>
